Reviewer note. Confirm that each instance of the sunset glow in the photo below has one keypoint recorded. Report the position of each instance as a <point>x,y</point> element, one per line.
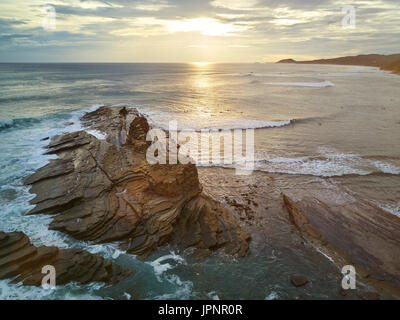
<point>201,64</point>
<point>206,26</point>
<point>192,30</point>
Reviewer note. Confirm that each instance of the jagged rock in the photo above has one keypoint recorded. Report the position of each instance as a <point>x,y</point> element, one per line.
<point>21,260</point>
<point>298,280</point>
<point>105,190</point>
<point>299,219</point>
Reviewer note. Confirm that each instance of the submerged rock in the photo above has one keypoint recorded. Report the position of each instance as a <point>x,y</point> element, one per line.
<point>21,260</point>
<point>298,280</point>
<point>101,188</point>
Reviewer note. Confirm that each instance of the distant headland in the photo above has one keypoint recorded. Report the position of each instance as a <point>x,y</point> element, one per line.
<point>385,62</point>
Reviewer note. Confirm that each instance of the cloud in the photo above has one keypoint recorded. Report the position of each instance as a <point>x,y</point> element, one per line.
<point>206,26</point>
<point>163,30</point>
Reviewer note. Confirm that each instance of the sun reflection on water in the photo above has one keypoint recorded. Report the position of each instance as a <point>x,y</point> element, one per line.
<point>201,63</point>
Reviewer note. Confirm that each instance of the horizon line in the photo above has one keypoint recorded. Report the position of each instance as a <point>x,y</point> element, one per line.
<point>137,62</point>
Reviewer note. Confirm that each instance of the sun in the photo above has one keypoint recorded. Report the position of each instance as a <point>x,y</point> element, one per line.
<point>201,63</point>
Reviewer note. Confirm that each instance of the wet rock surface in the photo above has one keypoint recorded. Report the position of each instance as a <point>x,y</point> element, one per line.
<point>315,216</point>
<point>298,280</point>
<point>23,262</point>
<point>101,189</point>
<point>350,230</point>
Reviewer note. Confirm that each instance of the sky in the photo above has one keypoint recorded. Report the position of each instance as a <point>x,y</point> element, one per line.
<point>195,30</point>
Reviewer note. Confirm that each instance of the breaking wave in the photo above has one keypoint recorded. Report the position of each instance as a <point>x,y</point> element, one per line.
<point>18,122</point>
<point>237,124</point>
<point>328,164</point>
<point>322,84</point>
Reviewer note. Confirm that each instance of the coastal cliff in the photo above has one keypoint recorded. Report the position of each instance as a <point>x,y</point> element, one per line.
<point>385,62</point>
<point>393,66</point>
<point>102,189</point>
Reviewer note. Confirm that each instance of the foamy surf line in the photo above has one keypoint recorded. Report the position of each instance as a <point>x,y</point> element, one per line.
<point>294,172</point>
<point>295,75</point>
<point>322,84</point>
<point>249,124</point>
<point>337,165</point>
<point>393,209</point>
<point>188,124</point>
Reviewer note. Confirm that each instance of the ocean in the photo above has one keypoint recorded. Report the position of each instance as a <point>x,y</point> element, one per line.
<point>320,121</point>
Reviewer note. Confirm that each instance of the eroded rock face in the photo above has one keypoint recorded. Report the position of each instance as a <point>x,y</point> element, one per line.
<point>23,261</point>
<point>351,232</point>
<point>105,190</point>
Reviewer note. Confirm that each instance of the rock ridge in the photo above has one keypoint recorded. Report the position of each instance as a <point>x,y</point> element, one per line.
<point>23,262</point>
<point>101,189</point>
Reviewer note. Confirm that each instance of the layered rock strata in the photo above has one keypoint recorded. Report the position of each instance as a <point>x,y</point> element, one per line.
<point>101,188</point>
<point>23,262</point>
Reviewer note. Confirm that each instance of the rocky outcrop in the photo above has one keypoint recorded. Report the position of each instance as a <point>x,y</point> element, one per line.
<point>21,260</point>
<point>104,190</point>
<point>287,61</point>
<point>299,219</point>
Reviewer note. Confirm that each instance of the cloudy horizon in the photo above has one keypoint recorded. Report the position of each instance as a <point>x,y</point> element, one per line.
<point>194,30</point>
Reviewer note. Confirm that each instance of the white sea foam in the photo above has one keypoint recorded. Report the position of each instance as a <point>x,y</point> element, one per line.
<point>295,75</point>
<point>272,296</point>
<point>160,267</point>
<point>193,122</point>
<point>108,251</point>
<point>182,289</point>
<point>329,163</point>
<point>98,134</point>
<point>213,295</point>
<point>322,84</point>
<point>242,124</point>
<point>316,167</point>
<point>71,291</point>
<point>336,74</point>
<point>386,167</point>
<point>390,208</point>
